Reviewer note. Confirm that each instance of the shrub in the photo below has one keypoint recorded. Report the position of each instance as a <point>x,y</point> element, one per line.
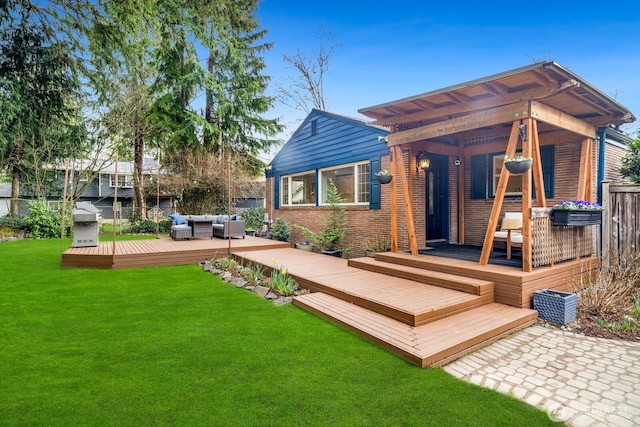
<point>13,221</point>
<point>614,289</point>
<point>333,225</point>
<point>148,226</point>
<point>254,218</point>
<point>280,230</point>
<point>631,161</point>
<point>42,223</point>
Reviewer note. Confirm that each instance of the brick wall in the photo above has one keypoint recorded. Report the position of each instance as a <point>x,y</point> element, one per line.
<point>364,222</point>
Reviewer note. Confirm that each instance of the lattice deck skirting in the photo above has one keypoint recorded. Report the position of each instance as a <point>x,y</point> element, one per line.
<point>552,244</point>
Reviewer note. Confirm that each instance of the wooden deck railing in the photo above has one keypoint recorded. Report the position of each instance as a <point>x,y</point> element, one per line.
<point>551,244</point>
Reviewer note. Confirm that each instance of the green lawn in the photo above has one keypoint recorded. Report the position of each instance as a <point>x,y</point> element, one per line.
<point>175,346</point>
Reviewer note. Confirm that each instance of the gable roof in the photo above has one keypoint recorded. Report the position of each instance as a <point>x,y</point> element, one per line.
<point>326,139</point>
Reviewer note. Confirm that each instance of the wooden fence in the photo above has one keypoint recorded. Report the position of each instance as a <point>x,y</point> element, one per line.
<point>620,220</point>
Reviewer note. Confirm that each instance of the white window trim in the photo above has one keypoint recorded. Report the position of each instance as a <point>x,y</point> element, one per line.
<point>126,179</point>
<point>290,188</point>
<point>354,165</point>
<point>495,175</point>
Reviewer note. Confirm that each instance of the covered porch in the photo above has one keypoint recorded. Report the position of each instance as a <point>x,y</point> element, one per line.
<point>448,149</point>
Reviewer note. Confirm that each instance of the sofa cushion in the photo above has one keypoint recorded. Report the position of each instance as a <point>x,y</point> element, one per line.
<point>177,218</point>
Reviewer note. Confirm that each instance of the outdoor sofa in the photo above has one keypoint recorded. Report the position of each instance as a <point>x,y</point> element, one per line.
<point>193,226</point>
<point>224,229</point>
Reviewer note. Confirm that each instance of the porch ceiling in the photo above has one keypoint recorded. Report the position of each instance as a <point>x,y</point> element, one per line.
<point>546,82</point>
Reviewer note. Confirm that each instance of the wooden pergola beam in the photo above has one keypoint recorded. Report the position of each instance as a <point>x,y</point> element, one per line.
<point>555,117</point>
<point>488,117</point>
<point>471,106</point>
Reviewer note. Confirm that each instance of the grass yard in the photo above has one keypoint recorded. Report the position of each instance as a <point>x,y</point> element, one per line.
<point>175,346</point>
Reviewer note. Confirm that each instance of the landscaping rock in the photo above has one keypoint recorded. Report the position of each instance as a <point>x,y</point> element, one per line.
<point>261,290</point>
<point>283,301</point>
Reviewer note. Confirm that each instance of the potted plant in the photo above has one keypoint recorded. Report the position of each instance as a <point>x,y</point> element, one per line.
<point>305,245</point>
<point>377,242</point>
<point>577,213</point>
<point>517,164</point>
<point>333,226</point>
<point>249,231</point>
<point>384,177</point>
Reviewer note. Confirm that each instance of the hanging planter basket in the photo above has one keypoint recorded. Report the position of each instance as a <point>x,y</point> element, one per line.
<point>518,167</point>
<point>384,179</point>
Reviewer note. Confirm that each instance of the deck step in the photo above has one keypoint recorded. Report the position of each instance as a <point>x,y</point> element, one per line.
<point>419,274</point>
<point>432,344</point>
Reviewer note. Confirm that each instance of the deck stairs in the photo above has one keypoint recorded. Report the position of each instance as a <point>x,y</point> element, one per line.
<point>427,317</point>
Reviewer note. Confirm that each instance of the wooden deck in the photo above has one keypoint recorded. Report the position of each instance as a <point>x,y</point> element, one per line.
<point>160,252</point>
<point>428,318</point>
<point>428,310</point>
<point>511,286</point>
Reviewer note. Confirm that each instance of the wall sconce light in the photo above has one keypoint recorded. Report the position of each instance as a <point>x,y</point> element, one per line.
<point>422,162</point>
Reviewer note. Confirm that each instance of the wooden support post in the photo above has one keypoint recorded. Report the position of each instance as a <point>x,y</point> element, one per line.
<point>499,197</point>
<point>605,229</point>
<point>460,169</point>
<point>589,185</point>
<point>541,200</point>
<point>408,203</point>
<point>527,262</point>
<point>583,171</point>
<point>394,204</point>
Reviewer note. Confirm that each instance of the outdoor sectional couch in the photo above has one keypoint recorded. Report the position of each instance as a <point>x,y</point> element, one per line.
<point>191,226</point>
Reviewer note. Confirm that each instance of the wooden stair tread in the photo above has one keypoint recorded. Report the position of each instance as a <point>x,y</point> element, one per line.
<point>431,344</point>
<point>416,273</point>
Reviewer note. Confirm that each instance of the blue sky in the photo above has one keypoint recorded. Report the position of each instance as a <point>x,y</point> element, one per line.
<point>392,50</point>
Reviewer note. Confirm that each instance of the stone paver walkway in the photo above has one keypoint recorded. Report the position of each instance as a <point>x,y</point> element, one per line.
<point>582,381</point>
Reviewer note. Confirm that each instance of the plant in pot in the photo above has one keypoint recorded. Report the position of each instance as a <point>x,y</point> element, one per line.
<point>305,245</point>
<point>384,177</point>
<point>517,164</point>
<point>332,226</point>
<point>253,220</point>
<point>376,242</point>
<point>577,213</point>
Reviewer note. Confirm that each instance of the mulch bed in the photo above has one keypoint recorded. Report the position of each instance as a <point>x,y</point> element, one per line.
<point>589,326</point>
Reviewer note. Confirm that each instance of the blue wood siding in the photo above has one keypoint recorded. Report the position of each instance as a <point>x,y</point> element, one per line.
<point>325,140</point>
<point>338,140</point>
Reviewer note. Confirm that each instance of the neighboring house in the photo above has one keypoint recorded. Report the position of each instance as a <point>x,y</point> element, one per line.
<point>102,189</point>
<point>327,147</point>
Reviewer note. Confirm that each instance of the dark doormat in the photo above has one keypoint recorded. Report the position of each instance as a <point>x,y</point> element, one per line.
<point>472,253</point>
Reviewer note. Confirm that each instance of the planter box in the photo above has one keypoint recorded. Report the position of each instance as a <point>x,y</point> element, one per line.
<point>576,218</point>
<point>556,306</point>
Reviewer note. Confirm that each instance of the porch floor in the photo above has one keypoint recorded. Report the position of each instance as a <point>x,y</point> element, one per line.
<point>472,253</point>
